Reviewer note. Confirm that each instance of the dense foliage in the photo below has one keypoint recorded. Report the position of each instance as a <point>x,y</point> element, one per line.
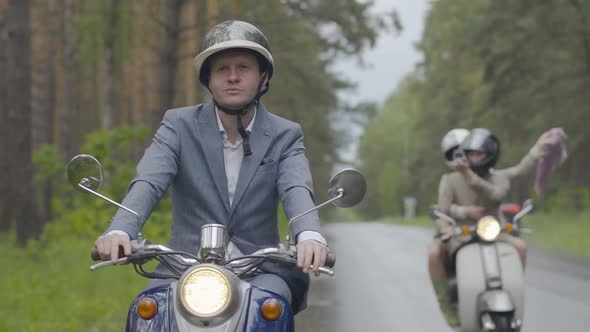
<point>108,65</point>
<point>516,67</point>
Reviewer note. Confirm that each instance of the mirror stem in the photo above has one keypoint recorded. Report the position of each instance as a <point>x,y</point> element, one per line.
<point>83,184</point>
<point>340,192</point>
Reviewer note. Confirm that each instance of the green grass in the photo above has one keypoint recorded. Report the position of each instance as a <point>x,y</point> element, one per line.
<point>557,232</point>
<point>48,287</point>
<point>560,232</point>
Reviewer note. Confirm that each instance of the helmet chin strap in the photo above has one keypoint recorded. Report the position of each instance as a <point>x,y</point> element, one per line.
<point>241,111</point>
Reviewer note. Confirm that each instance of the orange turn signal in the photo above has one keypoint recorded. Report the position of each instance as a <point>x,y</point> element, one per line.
<point>271,309</point>
<point>147,308</point>
<point>509,228</point>
<point>465,230</point>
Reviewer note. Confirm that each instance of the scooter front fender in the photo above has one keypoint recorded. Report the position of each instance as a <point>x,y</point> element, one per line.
<point>495,301</point>
<point>473,281</point>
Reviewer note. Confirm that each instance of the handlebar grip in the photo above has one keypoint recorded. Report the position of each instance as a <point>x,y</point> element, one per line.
<point>95,257</point>
<point>330,261</point>
<point>94,254</point>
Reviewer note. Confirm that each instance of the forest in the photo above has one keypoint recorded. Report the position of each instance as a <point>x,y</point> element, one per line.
<point>517,68</point>
<point>95,77</point>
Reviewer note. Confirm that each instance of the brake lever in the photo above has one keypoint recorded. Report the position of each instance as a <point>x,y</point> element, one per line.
<point>120,261</point>
<point>137,257</point>
<point>445,237</point>
<point>293,261</point>
<point>324,270</point>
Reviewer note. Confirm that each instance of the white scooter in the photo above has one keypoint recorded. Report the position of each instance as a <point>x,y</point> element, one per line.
<point>486,278</point>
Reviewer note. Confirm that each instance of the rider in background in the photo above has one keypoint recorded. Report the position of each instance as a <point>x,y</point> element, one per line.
<point>471,192</point>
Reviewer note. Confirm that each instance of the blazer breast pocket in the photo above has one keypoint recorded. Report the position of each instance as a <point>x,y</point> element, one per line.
<point>266,165</point>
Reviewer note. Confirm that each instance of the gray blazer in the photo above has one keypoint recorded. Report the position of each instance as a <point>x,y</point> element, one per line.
<point>186,154</point>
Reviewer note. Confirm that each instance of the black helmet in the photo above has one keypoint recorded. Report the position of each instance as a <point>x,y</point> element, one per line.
<point>233,35</point>
<point>482,140</point>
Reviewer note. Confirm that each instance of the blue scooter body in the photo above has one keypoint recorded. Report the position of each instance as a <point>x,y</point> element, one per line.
<point>250,317</point>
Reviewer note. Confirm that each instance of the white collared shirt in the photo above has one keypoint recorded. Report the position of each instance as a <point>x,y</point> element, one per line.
<point>233,154</point>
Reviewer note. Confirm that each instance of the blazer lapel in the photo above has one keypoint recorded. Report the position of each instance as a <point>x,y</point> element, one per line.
<point>212,144</point>
<point>260,139</point>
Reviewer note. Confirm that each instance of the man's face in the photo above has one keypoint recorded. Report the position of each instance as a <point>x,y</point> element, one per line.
<point>234,78</point>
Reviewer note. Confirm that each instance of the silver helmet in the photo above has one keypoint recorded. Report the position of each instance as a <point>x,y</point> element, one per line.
<point>237,35</point>
<point>233,35</point>
<point>484,141</point>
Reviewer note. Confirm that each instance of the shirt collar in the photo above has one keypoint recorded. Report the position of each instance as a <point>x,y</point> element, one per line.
<point>220,125</point>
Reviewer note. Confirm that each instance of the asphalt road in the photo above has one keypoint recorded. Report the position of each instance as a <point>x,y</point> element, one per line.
<point>381,284</point>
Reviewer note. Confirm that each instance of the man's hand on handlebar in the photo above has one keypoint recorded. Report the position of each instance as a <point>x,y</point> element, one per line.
<point>311,252</point>
<point>109,246</point>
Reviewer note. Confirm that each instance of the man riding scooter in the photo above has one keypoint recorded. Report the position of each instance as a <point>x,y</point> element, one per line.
<point>230,161</point>
<point>471,192</point>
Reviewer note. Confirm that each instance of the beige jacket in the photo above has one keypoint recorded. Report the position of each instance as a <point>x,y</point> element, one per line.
<point>457,190</point>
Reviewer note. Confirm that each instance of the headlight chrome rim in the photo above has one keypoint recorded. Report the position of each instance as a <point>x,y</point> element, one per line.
<point>205,303</point>
<point>488,228</point>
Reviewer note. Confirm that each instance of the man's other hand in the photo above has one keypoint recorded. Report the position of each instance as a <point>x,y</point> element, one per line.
<point>311,252</point>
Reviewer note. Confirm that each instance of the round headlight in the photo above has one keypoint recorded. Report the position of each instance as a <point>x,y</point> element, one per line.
<point>205,292</point>
<point>488,228</point>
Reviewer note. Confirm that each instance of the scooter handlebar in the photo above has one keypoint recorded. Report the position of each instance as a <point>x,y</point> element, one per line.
<point>94,254</point>
<point>330,261</point>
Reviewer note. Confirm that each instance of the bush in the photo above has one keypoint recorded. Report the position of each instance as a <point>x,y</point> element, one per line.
<point>86,216</point>
<point>566,199</point>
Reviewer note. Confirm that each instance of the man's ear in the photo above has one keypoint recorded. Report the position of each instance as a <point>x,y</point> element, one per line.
<point>264,79</point>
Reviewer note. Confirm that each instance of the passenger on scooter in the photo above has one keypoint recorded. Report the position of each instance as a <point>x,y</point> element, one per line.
<point>472,191</point>
<point>228,161</point>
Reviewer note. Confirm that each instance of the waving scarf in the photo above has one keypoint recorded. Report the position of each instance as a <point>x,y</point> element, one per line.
<point>554,154</point>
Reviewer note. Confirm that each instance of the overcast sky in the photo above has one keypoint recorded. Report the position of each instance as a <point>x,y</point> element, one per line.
<point>393,57</point>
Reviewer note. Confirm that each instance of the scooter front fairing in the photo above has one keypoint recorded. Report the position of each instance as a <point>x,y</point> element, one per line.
<point>249,316</point>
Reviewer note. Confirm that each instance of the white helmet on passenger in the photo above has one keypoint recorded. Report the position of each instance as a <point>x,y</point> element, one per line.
<point>451,142</point>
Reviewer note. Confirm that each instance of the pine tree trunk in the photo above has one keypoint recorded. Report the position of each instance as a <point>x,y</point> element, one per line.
<point>5,152</point>
<point>109,113</point>
<point>49,109</point>
<point>168,59</point>
<point>68,134</point>
<point>18,124</point>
